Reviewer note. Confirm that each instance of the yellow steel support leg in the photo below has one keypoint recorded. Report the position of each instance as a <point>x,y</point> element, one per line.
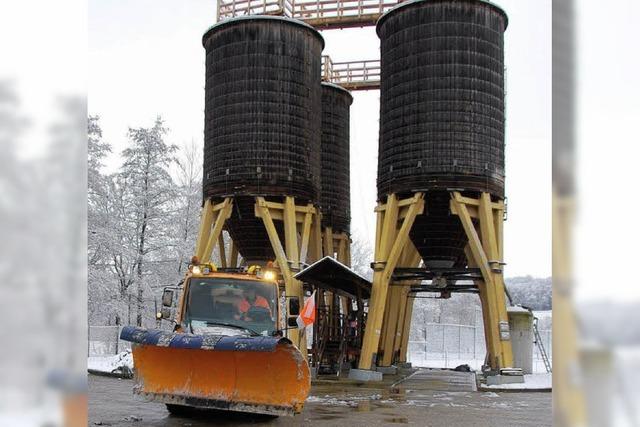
<point>233,262</point>
<point>315,238</point>
<point>209,234</point>
<point>327,241</point>
<point>491,334</point>
<point>391,331</point>
<point>406,327</point>
<point>328,250</point>
<point>206,219</point>
<point>390,242</point>
<point>385,350</point>
<point>397,339</point>
<point>342,249</point>
<point>222,250</point>
<point>485,254</point>
<point>305,233</point>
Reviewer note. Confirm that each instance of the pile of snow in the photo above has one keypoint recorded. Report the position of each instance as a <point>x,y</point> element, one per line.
<point>120,363</point>
<point>531,382</point>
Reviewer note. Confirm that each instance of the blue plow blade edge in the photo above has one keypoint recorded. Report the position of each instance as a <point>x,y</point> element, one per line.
<point>161,338</point>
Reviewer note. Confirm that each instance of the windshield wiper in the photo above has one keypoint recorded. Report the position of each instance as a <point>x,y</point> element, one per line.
<point>232,325</point>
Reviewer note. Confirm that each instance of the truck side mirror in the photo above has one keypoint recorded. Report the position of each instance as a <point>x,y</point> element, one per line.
<point>292,322</point>
<point>294,306</point>
<point>167,298</point>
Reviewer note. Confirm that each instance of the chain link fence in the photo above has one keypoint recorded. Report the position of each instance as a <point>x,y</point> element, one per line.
<point>449,345</point>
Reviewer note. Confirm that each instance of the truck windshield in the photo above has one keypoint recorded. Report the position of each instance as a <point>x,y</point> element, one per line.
<point>246,306</point>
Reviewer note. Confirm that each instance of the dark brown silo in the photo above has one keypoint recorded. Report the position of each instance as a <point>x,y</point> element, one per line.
<point>335,196</point>
<point>442,113</point>
<point>262,119</point>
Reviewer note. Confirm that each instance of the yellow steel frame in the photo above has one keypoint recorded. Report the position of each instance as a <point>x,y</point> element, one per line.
<point>211,224</point>
<point>393,325</point>
<point>403,341</point>
<point>394,221</point>
<point>485,252</point>
<point>298,221</point>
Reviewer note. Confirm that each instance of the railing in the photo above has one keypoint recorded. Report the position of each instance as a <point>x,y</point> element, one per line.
<point>232,8</point>
<point>352,75</point>
<point>340,13</point>
<point>318,13</point>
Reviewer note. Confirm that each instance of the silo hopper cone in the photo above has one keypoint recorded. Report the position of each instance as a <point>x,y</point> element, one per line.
<point>262,375</point>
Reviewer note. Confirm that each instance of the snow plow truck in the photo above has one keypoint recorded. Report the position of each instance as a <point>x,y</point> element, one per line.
<point>226,350</point>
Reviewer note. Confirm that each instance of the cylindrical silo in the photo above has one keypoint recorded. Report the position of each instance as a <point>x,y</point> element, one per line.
<point>335,197</point>
<point>262,119</point>
<point>442,113</point>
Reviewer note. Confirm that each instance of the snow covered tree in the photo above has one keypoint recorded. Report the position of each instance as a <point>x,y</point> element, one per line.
<point>188,202</point>
<point>361,257</point>
<point>97,192</point>
<point>143,191</point>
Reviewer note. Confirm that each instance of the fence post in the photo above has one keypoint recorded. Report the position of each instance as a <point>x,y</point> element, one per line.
<point>426,326</point>
<point>474,337</point>
<point>117,338</point>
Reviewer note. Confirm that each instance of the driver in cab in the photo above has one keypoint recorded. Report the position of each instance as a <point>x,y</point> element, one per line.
<point>249,300</point>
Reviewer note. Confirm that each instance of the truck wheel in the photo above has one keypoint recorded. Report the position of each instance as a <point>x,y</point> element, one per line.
<point>179,410</point>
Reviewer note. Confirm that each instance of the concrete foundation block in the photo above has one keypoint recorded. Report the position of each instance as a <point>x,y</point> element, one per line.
<point>365,375</point>
<point>404,365</point>
<point>314,372</point>
<point>387,370</point>
<point>504,379</point>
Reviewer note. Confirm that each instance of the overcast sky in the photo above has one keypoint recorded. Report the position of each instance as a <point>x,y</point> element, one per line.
<point>146,58</point>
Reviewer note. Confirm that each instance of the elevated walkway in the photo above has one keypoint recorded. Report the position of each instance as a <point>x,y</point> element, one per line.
<point>321,14</point>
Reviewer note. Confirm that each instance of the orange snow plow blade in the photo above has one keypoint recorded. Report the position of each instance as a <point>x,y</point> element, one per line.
<point>247,374</point>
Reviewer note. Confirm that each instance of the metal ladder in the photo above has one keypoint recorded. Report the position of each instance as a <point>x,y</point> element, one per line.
<point>541,349</point>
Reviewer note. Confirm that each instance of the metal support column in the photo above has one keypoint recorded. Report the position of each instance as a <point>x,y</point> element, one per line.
<point>390,242</point>
<point>211,224</point>
<point>392,326</point>
<point>485,252</point>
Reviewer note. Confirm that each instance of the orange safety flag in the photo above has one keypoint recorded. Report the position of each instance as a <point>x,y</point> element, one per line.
<point>308,314</point>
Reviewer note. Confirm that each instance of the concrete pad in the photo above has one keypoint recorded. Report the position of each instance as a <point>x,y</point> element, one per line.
<point>365,375</point>
<point>387,370</point>
<point>504,379</point>
<point>440,380</point>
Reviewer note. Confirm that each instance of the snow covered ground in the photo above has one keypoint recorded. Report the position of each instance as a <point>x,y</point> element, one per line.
<point>111,364</point>
<point>531,382</point>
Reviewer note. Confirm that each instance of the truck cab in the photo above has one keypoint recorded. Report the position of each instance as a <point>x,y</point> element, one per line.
<point>238,302</point>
